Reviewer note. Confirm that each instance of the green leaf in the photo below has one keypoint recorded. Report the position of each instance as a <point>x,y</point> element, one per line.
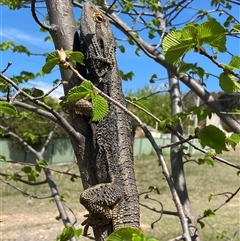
<point>52,55</point>
<point>68,233</point>
<point>235,62</point>
<point>152,78</point>
<point>209,213</point>
<point>174,47</point>
<point>29,135</point>
<point>155,189</point>
<point>73,177</point>
<point>137,51</point>
<point>212,33</point>
<point>121,48</point>
<point>84,90</point>
<point>77,56</point>
<point>221,235</point>
<point>210,197</point>
<point>2,158</point>
<point>49,65</point>
<point>21,49</point>
<point>236,27</point>
<point>6,45</point>
<point>100,108</point>
<point>63,198</point>
<point>142,101</point>
<point>179,42</point>
<point>201,113</point>
<point>126,76</point>
<point>26,169</point>
<point>212,137</point>
<point>233,140</point>
<point>126,234</point>
<point>31,174</point>
<point>7,108</point>
<point>37,92</point>
<point>42,163</point>
<point>151,34</point>
<point>206,160</point>
<point>202,224</point>
<point>228,83</point>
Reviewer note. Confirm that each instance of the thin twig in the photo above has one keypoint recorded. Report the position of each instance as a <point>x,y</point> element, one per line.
<point>23,192</point>
<point>224,203</point>
<point>8,65</point>
<point>19,179</point>
<point>33,10</point>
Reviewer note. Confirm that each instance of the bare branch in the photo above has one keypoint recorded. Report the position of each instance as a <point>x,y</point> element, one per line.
<point>33,10</point>
<point>224,203</point>
<point>153,53</point>
<point>23,192</point>
<point>6,68</point>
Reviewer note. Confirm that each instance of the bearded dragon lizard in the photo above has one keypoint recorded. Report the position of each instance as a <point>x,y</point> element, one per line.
<point>115,199</point>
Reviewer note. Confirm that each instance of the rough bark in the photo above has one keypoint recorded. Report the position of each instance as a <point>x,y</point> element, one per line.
<point>65,35</point>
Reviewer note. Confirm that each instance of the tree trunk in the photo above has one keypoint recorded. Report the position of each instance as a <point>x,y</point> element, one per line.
<point>177,160</point>
<point>65,35</point>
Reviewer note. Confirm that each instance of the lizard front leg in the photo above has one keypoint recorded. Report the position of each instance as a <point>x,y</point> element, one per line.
<point>99,200</point>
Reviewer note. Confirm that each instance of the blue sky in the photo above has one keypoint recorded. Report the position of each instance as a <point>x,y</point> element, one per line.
<point>20,27</point>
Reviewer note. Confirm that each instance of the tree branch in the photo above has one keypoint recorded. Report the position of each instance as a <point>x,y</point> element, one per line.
<point>33,10</point>
<point>23,192</point>
<point>153,53</point>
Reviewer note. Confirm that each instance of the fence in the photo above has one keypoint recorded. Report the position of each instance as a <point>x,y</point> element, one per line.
<point>60,151</point>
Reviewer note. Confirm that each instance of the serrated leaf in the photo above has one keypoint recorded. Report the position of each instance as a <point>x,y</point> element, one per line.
<point>174,47</point>
<point>212,137</point>
<point>29,135</point>
<point>49,65</point>
<point>142,101</point>
<point>78,57</point>
<point>26,169</point>
<point>42,163</point>
<point>125,234</point>
<point>100,108</point>
<point>209,213</point>
<point>84,90</point>
<point>228,83</point>
<point>52,55</point>
<point>212,33</point>
<point>87,84</point>
<point>179,42</point>
<point>68,233</point>
<point>236,27</point>
<point>7,108</point>
<point>235,62</point>
<point>37,92</point>
<point>234,140</point>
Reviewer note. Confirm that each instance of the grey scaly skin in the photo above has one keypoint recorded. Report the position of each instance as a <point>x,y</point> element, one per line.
<point>115,198</point>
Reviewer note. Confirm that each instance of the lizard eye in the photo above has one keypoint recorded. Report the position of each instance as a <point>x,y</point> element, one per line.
<point>98,18</point>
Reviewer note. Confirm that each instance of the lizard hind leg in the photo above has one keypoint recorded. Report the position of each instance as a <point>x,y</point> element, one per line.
<point>99,200</point>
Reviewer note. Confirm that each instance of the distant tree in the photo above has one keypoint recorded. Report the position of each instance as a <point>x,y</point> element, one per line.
<point>154,101</point>
<point>33,128</point>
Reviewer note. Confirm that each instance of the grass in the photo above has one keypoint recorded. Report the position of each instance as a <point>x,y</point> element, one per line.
<point>201,180</point>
